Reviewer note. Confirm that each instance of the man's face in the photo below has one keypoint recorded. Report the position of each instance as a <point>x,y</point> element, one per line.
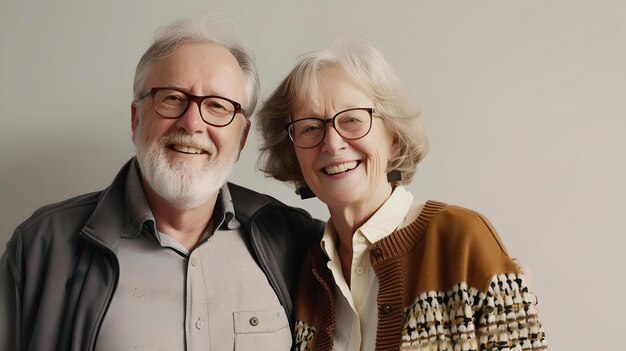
<point>184,160</point>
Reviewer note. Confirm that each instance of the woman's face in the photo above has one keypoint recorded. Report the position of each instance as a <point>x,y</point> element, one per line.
<point>345,173</point>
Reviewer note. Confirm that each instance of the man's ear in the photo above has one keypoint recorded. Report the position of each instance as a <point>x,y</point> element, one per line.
<point>244,137</point>
<point>134,120</point>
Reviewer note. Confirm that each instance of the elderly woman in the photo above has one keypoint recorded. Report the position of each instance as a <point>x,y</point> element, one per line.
<point>390,272</point>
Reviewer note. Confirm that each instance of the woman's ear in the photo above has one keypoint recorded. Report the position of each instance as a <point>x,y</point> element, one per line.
<point>394,175</point>
<point>395,149</point>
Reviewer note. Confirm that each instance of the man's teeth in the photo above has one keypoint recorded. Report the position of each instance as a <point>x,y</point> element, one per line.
<point>340,168</point>
<point>187,149</point>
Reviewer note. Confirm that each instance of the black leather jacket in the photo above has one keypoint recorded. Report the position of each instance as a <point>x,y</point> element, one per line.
<point>60,268</point>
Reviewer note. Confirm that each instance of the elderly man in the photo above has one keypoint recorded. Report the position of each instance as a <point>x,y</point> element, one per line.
<point>169,256</point>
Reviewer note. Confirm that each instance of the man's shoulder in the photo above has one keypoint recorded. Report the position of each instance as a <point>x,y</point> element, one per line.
<point>249,203</point>
<point>280,225</point>
<point>239,192</point>
<point>67,214</point>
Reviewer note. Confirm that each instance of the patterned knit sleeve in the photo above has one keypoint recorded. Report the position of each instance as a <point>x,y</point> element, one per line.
<point>507,318</point>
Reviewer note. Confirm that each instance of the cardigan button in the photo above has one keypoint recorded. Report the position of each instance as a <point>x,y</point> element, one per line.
<point>386,309</point>
<point>377,252</point>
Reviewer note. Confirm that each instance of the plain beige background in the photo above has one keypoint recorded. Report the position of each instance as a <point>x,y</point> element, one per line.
<point>524,100</point>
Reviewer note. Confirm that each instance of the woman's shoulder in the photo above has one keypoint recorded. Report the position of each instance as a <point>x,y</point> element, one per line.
<point>467,241</point>
<point>463,225</point>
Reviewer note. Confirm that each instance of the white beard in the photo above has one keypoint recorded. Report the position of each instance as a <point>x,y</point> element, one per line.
<point>184,186</point>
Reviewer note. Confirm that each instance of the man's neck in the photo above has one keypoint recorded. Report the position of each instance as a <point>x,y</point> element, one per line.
<point>184,225</point>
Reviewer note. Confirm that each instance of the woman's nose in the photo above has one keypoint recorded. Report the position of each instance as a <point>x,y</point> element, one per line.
<point>333,141</point>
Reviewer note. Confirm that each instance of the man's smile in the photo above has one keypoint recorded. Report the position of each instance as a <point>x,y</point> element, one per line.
<point>187,149</point>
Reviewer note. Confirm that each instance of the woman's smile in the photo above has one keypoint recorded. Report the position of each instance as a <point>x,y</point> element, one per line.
<point>340,168</point>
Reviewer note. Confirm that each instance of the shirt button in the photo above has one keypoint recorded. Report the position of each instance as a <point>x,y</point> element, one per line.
<point>359,270</point>
<point>199,323</point>
<point>386,309</point>
<point>377,252</point>
<point>194,261</point>
<point>360,240</point>
<point>254,321</point>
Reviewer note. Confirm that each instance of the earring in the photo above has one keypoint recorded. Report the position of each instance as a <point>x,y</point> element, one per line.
<point>394,176</point>
<point>305,192</point>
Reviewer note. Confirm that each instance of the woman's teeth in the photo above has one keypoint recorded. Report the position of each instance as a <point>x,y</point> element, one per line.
<point>340,168</point>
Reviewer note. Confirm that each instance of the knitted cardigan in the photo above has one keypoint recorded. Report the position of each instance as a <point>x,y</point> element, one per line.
<point>446,282</point>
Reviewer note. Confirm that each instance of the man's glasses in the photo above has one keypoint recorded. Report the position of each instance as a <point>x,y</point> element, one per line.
<point>351,124</point>
<point>215,110</point>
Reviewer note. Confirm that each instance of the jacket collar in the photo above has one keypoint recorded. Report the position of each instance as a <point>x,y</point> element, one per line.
<point>137,211</point>
<point>123,210</point>
<point>107,220</point>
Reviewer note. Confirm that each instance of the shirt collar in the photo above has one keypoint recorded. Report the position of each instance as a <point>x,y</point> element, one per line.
<point>329,239</point>
<point>389,216</point>
<point>230,222</point>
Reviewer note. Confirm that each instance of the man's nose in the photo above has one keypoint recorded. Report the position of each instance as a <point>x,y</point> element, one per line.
<point>191,121</point>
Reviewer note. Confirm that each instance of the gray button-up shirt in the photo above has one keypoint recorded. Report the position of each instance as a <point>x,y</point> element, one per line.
<point>212,298</point>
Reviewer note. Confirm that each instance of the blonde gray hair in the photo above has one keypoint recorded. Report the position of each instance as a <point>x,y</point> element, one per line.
<point>209,29</point>
<point>366,66</point>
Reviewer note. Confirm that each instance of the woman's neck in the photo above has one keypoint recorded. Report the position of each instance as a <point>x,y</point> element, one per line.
<point>346,220</point>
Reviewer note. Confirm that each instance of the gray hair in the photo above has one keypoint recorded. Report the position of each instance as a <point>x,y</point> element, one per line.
<point>209,29</point>
<point>365,65</point>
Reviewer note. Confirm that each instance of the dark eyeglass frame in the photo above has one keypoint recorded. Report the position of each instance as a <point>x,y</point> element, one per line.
<point>198,100</point>
<point>325,121</point>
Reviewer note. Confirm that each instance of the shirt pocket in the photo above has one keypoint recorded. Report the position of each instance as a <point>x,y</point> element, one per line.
<point>262,330</point>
